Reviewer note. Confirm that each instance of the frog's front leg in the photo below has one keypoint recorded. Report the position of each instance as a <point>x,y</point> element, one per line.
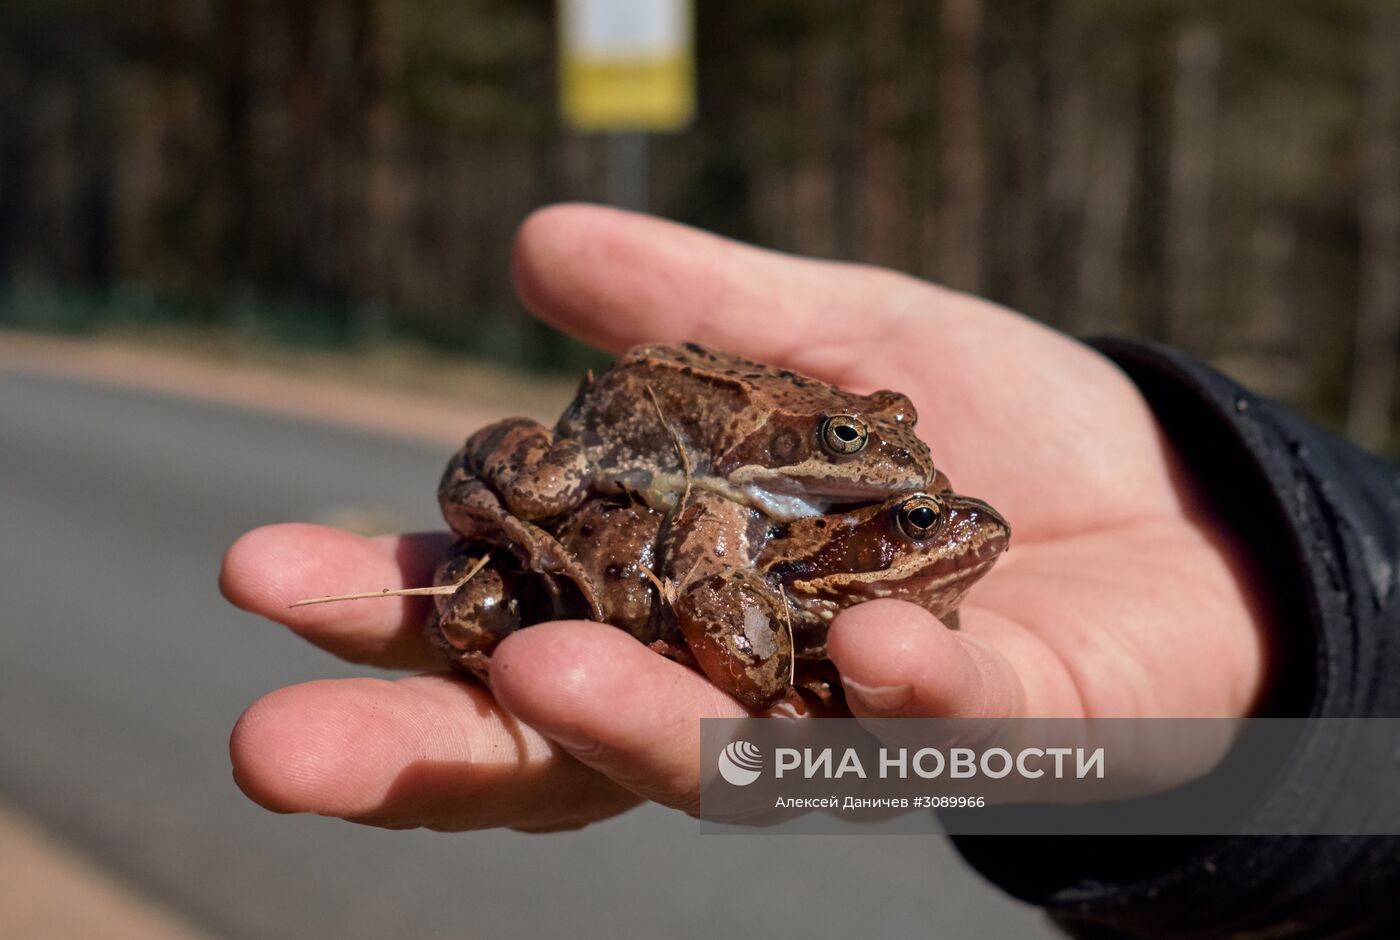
<point>734,619</point>
<point>536,475</point>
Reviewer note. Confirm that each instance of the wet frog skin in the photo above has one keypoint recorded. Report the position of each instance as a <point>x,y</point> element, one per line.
<point>610,546</point>
<point>720,509</point>
<point>926,548</point>
<point>667,420</point>
<point>722,443</point>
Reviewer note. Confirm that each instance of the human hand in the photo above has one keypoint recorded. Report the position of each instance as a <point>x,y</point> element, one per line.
<point>1122,596</point>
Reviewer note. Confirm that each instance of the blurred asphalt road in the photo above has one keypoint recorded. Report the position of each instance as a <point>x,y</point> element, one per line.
<point>122,672</point>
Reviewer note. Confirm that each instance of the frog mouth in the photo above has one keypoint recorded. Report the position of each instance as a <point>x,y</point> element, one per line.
<point>785,507</point>
<point>787,498</point>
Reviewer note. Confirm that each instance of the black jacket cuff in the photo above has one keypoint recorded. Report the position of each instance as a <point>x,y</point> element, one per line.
<point>1321,520</point>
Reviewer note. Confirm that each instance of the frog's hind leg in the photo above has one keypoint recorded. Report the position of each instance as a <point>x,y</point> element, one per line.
<point>536,475</point>
<point>734,619</point>
<point>495,601</point>
<point>468,624</point>
<point>476,514</point>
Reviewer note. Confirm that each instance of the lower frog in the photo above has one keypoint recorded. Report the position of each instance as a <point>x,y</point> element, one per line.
<point>928,548</point>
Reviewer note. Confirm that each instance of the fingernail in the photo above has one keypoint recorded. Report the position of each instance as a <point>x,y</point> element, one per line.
<point>879,698</point>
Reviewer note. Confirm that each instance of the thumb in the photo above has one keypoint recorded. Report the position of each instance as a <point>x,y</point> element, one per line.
<point>615,278</point>
<point>899,661</point>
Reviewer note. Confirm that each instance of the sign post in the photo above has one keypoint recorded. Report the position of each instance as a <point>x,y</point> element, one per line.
<point>627,69</point>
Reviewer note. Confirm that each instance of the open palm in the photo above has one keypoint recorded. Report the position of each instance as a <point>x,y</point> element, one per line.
<point>1121,595</point>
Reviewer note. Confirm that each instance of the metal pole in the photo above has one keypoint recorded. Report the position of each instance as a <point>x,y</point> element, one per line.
<point>627,171</point>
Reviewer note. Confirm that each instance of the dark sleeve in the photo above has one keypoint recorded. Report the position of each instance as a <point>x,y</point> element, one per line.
<point>1322,520</point>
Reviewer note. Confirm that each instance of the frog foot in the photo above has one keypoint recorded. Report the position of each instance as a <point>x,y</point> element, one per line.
<point>738,629</point>
<point>536,475</point>
<point>470,622</point>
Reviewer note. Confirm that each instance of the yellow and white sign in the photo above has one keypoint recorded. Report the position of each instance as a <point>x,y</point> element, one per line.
<point>626,65</point>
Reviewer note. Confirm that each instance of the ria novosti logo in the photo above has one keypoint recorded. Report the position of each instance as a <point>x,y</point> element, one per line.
<point>740,763</point>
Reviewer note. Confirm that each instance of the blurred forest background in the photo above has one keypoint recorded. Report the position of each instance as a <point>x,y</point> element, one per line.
<point>1224,176</point>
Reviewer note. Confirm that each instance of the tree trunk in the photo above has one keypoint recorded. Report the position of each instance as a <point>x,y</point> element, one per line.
<point>1067,163</point>
<point>1100,272</point>
<point>814,174</point>
<point>960,236</point>
<point>1378,319</point>
<point>883,190</point>
<point>236,173</point>
<point>1191,177</point>
<point>1273,307</point>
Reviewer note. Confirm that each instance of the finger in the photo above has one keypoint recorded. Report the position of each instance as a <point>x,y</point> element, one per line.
<point>422,751</point>
<point>898,661</point>
<point>616,278</point>
<point>613,704</point>
<point>275,566</point>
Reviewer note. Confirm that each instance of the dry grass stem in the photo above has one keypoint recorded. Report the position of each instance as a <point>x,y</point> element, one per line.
<point>400,592</point>
<point>676,439</point>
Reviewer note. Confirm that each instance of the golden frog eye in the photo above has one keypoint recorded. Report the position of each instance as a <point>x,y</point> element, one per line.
<point>919,516</point>
<point>844,435</point>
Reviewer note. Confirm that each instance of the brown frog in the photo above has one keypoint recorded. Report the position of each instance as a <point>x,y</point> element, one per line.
<point>925,548</point>
<point>727,444</point>
<point>928,548</point>
<point>666,420</point>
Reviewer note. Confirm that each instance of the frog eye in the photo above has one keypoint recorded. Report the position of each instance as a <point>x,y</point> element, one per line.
<point>919,516</point>
<point>844,435</point>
